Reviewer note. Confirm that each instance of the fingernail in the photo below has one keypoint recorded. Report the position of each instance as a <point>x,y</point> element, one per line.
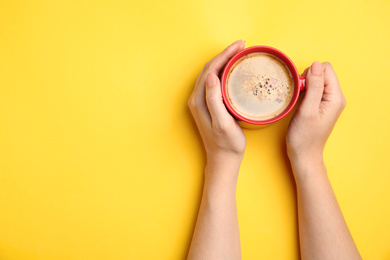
<point>316,68</point>
<point>211,80</point>
<point>236,42</point>
<point>242,45</point>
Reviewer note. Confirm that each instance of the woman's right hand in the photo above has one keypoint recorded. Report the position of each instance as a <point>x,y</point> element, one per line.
<point>315,118</point>
<point>222,136</point>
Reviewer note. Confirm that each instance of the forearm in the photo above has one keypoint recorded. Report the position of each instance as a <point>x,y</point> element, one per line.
<point>216,234</point>
<point>322,230</point>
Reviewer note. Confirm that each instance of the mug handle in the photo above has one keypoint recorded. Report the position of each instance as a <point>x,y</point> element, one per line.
<point>302,83</point>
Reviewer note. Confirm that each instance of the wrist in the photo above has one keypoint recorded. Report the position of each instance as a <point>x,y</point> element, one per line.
<point>314,156</point>
<point>305,167</point>
<point>222,170</point>
<point>224,154</point>
<point>224,161</point>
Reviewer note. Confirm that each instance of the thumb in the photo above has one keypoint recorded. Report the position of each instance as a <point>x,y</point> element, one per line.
<point>214,101</point>
<point>314,86</point>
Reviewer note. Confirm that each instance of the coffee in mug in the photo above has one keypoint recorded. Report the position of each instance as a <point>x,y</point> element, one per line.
<point>259,86</point>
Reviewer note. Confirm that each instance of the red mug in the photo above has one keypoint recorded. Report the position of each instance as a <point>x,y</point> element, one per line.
<point>299,85</point>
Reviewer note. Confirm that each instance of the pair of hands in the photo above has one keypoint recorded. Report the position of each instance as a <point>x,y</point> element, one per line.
<point>323,233</point>
<point>309,128</point>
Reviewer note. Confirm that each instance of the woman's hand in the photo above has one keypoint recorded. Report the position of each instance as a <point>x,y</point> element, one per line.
<point>323,233</point>
<point>314,120</point>
<point>222,136</point>
<point>216,235</point>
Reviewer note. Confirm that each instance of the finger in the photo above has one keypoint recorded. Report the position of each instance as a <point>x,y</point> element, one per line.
<point>201,116</point>
<point>215,63</point>
<point>330,77</point>
<point>199,110</point>
<point>331,83</point>
<point>332,91</point>
<point>305,72</point>
<point>201,73</point>
<point>314,87</point>
<point>200,91</point>
<point>217,109</point>
<point>233,45</point>
<point>196,102</point>
<point>222,58</point>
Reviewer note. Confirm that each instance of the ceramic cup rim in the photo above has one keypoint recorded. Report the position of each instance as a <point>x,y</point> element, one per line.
<point>269,50</point>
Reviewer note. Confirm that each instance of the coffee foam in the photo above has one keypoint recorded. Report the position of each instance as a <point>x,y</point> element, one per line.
<point>259,86</point>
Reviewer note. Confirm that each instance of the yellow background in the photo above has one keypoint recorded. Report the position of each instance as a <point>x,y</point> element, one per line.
<point>100,158</point>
